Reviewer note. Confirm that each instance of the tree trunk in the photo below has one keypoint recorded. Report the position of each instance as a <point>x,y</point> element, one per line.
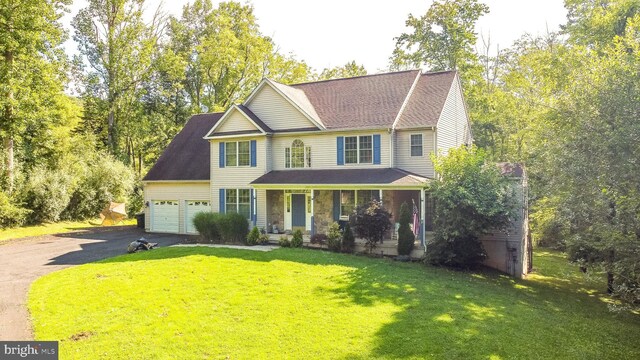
<point>8,146</point>
<point>110,130</point>
<point>9,121</point>
<point>610,277</point>
<point>609,282</point>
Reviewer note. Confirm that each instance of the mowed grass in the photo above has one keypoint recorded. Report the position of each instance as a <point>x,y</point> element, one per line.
<point>52,228</point>
<point>204,303</point>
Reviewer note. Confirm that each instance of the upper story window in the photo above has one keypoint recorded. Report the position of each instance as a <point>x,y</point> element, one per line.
<point>416,145</point>
<point>237,153</point>
<point>358,149</point>
<point>297,156</point>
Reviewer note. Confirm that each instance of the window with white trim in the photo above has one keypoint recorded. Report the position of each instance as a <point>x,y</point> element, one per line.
<point>297,156</point>
<point>416,144</point>
<point>351,199</point>
<point>358,149</point>
<point>238,201</point>
<point>237,153</point>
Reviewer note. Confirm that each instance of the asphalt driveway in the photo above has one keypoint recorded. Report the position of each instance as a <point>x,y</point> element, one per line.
<point>23,261</point>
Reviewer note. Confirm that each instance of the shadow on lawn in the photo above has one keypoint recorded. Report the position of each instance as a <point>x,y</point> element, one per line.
<point>443,313</point>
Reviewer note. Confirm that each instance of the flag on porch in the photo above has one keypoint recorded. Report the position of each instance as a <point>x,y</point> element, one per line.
<point>416,220</point>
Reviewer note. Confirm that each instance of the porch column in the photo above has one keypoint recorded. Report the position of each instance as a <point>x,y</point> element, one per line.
<point>422,216</point>
<point>380,195</point>
<point>313,223</point>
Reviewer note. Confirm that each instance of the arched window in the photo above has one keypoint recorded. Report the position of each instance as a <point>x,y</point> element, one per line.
<point>298,155</point>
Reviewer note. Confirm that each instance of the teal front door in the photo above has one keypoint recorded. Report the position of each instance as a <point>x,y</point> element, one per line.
<point>298,210</point>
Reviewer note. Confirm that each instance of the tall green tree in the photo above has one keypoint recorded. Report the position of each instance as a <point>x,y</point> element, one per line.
<point>31,68</point>
<point>349,69</point>
<point>595,23</point>
<point>224,55</point>
<point>442,39</point>
<point>596,170</point>
<point>471,198</point>
<point>120,48</point>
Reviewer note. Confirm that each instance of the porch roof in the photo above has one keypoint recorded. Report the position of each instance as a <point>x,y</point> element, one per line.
<point>386,177</point>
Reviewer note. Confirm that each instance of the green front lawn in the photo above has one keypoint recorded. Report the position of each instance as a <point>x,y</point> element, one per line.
<point>52,228</point>
<point>203,303</point>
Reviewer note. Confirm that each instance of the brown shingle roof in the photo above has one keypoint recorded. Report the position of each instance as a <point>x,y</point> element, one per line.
<point>427,100</point>
<point>188,155</point>
<point>363,101</point>
<point>385,176</point>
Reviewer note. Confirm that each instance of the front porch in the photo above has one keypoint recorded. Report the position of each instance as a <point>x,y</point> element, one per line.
<point>313,210</point>
<point>311,200</point>
<point>388,247</point>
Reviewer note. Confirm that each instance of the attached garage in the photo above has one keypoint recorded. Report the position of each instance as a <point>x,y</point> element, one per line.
<point>180,179</point>
<point>165,216</point>
<point>192,208</point>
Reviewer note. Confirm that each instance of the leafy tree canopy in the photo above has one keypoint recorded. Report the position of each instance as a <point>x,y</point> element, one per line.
<point>471,198</point>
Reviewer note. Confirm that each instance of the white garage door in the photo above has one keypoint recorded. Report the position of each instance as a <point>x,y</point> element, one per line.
<point>194,207</point>
<point>165,216</point>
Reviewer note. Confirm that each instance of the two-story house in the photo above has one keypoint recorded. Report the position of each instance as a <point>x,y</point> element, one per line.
<point>302,156</point>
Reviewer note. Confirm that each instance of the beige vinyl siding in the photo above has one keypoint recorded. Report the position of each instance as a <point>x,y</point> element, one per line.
<point>180,191</point>
<point>231,177</point>
<point>266,157</point>
<point>276,111</point>
<point>453,127</point>
<point>324,150</point>
<point>497,243</point>
<point>420,165</point>
<point>235,122</point>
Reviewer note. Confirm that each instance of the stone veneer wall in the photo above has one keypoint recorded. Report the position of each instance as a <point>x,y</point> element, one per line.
<point>323,210</point>
<point>275,209</point>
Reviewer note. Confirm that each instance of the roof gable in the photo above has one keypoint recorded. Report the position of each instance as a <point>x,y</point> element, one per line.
<point>238,119</point>
<point>188,155</point>
<point>427,100</point>
<point>291,105</point>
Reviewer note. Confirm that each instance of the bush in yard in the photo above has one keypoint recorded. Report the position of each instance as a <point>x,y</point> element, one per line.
<point>371,222</point>
<point>135,201</point>
<point>205,224</point>
<point>233,227</point>
<point>471,198</point>
<point>47,193</point>
<point>296,240</point>
<point>284,241</point>
<point>254,236</point>
<point>11,215</point>
<point>103,181</point>
<point>263,239</point>
<point>549,226</point>
<point>319,239</point>
<point>334,237</point>
<point>348,240</point>
<point>406,238</point>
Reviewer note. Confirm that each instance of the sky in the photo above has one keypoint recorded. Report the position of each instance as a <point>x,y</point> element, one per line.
<point>329,33</point>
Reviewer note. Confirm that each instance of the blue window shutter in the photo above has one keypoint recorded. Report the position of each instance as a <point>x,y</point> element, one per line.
<point>221,164</point>
<point>253,153</point>
<point>376,149</point>
<point>340,150</point>
<point>336,205</point>
<point>253,208</point>
<point>222,201</point>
